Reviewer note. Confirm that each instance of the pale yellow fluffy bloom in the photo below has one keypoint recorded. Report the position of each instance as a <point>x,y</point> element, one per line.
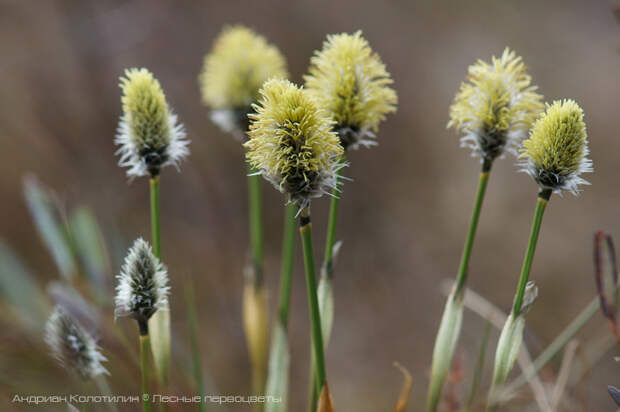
<point>292,143</point>
<point>149,136</point>
<point>350,81</point>
<point>236,68</point>
<point>556,151</point>
<point>496,106</point>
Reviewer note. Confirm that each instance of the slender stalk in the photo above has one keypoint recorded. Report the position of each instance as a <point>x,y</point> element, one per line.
<point>328,269</point>
<point>449,327</point>
<point>477,377</point>
<point>557,345</point>
<point>155,233</point>
<point>473,226</point>
<point>512,333</point>
<point>194,342</point>
<point>313,392</point>
<point>541,204</point>
<point>327,273</point>
<point>288,254</point>
<point>160,321</point>
<point>144,366</point>
<point>256,275</point>
<point>305,230</point>
<point>256,225</point>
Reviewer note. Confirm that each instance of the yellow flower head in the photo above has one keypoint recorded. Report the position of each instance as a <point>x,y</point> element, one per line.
<point>148,133</point>
<point>292,143</point>
<point>555,153</point>
<point>349,80</point>
<point>495,108</point>
<point>233,72</point>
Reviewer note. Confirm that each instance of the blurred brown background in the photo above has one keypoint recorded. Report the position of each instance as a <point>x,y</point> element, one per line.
<point>405,215</point>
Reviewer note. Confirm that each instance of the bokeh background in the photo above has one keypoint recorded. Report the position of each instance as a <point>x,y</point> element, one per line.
<point>403,218</point>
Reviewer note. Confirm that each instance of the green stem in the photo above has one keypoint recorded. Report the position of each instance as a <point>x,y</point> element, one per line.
<point>449,327</point>
<point>144,366</point>
<point>541,204</point>
<point>194,341</point>
<point>155,234</point>
<point>328,268</point>
<point>305,229</point>
<point>473,225</point>
<point>256,225</point>
<point>558,343</point>
<point>288,254</point>
<point>313,392</point>
<point>327,272</point>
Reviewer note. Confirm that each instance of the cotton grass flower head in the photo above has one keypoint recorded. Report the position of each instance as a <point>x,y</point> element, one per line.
<point>149,135</point>
<point>555,155</point>
<point>73,346</point>
<point>233,72</point>
<point>292,143</point>
<point>350,81</point>
<point>142,284</point>
<point>496,106</point>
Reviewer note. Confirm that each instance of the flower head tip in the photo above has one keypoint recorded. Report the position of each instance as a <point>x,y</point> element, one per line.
<point>350,81</point>
<point>495,108</point>
<point>142,284</point>
<point>72,345</point>
<point>233,72</point>
<point>555,155</point>
<point>292,143</point>
<point>149,136</point>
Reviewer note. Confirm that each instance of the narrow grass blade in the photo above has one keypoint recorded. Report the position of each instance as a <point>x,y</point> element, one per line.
<point>190,301</point>
<point>565,369</point>
<point>277,381</point>
<point>405,390</point>
<point>479,368</point>
<point>50,226</point>
<point>89,245</point>
<point>486,310</point>
<point>19,290</point>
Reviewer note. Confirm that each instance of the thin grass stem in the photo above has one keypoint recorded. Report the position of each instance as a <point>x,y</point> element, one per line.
<point>557,345</point>
<point>194,342</point>
<point>541,204</point>
<point>327,272</point>
<point>256,225</point>
<point>461,277</point>
<point>442,357</point>
<point>305,229</point>
<point>288,255</point>
<point>330,241</point>
<point>144,367</point>
<point>477,377</point>
<point>155,226</point>
<point>256,274</point>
